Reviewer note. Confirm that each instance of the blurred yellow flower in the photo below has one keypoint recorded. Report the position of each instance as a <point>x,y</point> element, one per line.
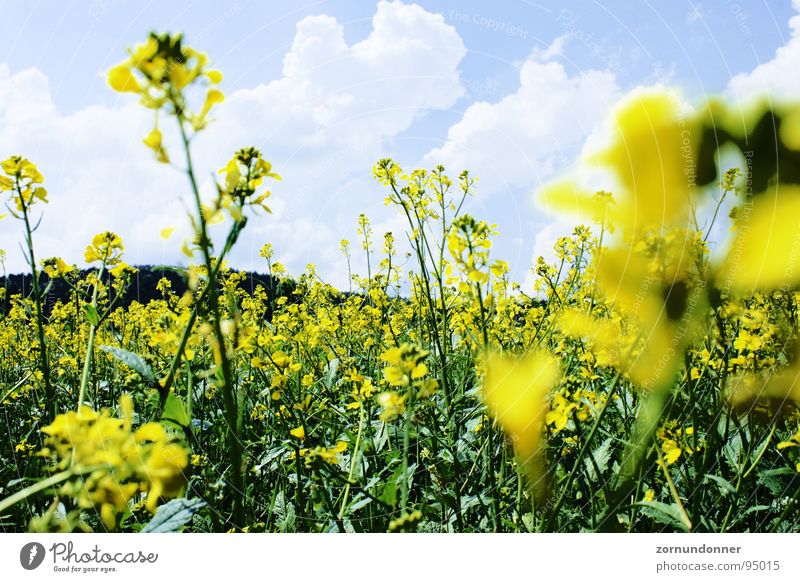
<point>765,253</point>
<point>515,392</point>
<point>111,463</point>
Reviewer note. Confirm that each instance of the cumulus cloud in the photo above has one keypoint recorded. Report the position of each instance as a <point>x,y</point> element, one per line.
<point>523,140</point>
<point>779,77</point>
<point>97,172</point>
<point>323,123</point>
<point>526,136</point>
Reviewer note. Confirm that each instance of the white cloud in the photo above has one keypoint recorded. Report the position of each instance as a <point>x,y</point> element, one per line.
<point>520,142</point>
<point>779,77</point>
<point>322,124</point>
<point>526,136</point>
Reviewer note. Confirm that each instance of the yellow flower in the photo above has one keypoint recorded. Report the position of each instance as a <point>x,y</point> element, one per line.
<point>122,79</point>
<point>111,463</point>
<point>766,248</point>
<point>313,457</point>
<point>106,247</point>
<point>747,341</point>
<point>393,405</point>
<point>153,141</point>
<point>21,179</point>
<point>406,365</point>
<point>515,392</point>
<point>671,450</point>
<point>652,156</point>
<point>162,471</point>
<point>298,433</point>
<point>24,447</point>
<point>214,97</point>
<point>560,413</point>
<point>55,267</point>
<point>122,269</point>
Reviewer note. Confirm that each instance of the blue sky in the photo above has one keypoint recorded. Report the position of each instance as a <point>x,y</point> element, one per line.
<point>512,90</point>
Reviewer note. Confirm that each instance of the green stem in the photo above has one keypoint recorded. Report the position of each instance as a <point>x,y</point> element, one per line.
<point>229,398</point>
<point>687,523</point>
<point>51,407</point>
<point>87,362</point>
<point>406,447</point>
<point>353,462</point>
<point>22,495</point>
<point>87,365</point>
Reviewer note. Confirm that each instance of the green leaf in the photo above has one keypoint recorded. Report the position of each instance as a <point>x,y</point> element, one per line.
<point>285,516</point>
<point>529,522</point>
<point>91,314</point>
<point>134,361</point>
<point>724,485</point>
<point>173,515</point>
<point>175,411</point>
<point>389,493</point>
<point>330,373</point>
<point>756,509</point>
<point>601,455</point>
<point>662,513</point>
<point>776,480</point>
<point>359,502</point>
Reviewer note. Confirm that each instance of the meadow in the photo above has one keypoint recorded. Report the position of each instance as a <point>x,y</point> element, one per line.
<point>646,382</point>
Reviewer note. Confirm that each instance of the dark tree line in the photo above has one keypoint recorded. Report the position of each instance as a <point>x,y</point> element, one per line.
<point>142,288</point>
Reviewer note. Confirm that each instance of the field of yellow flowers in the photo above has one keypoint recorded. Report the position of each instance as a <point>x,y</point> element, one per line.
<point>647,383</point>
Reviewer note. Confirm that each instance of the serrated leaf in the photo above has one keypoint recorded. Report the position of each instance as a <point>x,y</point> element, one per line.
<point>732,452</point>
<point>173,515</point>
<point>601,455</point>
<point>776,479</point>
<point>285,517</point>
<point>668,514</point>
<point>528,521</point>
<point>134,361</point>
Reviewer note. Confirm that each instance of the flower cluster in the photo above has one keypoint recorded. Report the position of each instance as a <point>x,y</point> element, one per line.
<point>23,180</point>
<point>160,71</point>
<point>244,175</point>
<point>110,462</point>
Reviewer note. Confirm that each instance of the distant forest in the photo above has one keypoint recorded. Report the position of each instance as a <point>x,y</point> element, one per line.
<point>142,288</point>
